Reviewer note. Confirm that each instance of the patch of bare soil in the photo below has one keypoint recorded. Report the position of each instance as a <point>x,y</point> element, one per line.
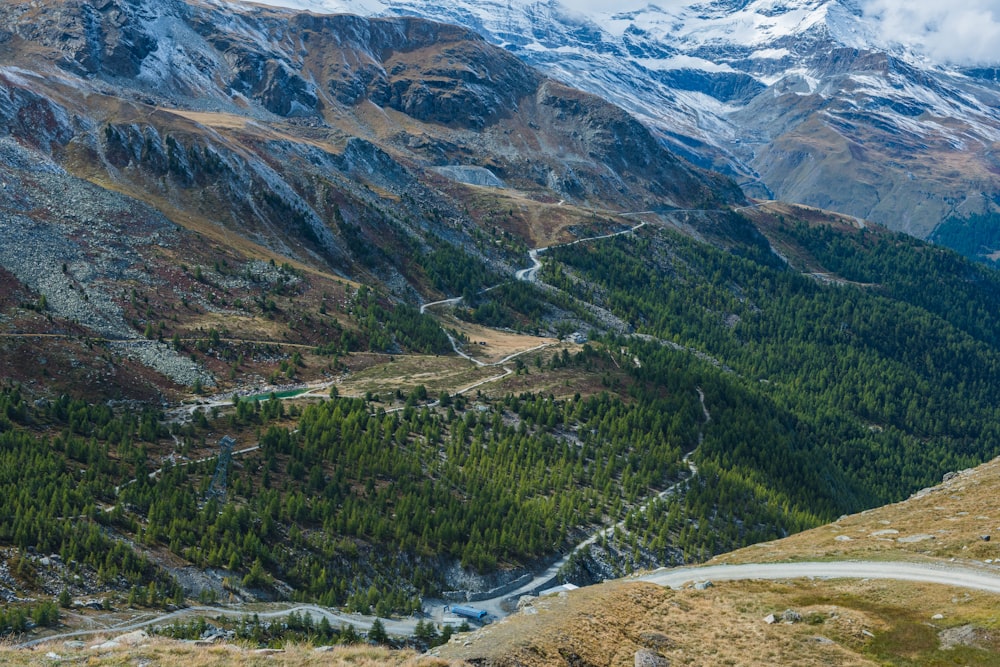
<point>491,346</point>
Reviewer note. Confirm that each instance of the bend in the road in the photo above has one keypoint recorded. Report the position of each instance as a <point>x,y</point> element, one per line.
<point>899,571</point>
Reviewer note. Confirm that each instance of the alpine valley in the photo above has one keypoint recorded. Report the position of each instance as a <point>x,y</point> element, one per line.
<point>322,328</point>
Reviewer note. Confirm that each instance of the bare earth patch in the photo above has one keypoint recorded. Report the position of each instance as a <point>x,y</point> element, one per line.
<point>491,346</point>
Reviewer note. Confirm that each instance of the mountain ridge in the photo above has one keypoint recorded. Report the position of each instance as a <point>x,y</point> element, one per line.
<point>751,89</point>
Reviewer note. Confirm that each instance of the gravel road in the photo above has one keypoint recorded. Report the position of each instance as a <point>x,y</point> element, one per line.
<point>981,580</point>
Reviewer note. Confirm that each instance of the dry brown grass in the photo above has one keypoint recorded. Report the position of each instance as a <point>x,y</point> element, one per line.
<point>490,345</point>
<point>384,374</point>
<point>226,121</point>
<point>168,652</point>
<point>530,216</point>
<point>842,623</point>
<point>608,624</point>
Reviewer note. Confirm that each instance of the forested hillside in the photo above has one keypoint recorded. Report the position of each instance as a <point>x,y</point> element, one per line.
<point>848,374</point>
<point>366,312</point>
<point>843,393</point>
<point>351,499</point>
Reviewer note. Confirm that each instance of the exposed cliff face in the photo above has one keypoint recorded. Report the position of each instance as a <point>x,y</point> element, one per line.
<point>800,100</point>
<point>431,72</point>
<point>32,117</point>
<point>92,36</point>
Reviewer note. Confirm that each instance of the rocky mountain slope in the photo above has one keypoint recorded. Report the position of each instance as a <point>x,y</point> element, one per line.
<point>804,101</point>
<point>146,141</point>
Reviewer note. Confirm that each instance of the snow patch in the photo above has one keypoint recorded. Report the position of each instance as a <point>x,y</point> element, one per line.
<point>770,54</point>
<point>684,62</point>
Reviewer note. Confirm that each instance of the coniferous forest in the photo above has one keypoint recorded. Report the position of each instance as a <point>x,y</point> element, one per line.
<point>795,399</point>
<point>836,397</point>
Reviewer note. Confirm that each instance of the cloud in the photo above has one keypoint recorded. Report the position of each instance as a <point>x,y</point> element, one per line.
<point>962,33</point>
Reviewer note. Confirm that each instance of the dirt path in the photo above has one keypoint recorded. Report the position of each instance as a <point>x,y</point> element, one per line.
<point>140,340</point>
<point>531,273</point>
<point>944,575</point>
<point>453,301</point>
<point>547,577</point>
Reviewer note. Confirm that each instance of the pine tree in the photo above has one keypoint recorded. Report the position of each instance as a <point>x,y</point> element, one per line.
<point>377,634</point>
<point>65,599</point>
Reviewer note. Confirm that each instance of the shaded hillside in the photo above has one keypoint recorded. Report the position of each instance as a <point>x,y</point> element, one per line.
<point>846,382</point>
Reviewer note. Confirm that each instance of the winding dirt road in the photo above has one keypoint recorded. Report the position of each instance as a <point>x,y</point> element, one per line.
<point>530,274</point>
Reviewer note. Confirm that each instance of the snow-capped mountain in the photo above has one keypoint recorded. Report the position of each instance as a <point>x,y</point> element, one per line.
<point>807,100</point>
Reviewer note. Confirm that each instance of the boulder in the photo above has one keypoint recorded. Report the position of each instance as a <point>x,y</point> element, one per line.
<point>133,638</point>
<point>655,640</point>
<point>646,657</point>
<point>791,616</point>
